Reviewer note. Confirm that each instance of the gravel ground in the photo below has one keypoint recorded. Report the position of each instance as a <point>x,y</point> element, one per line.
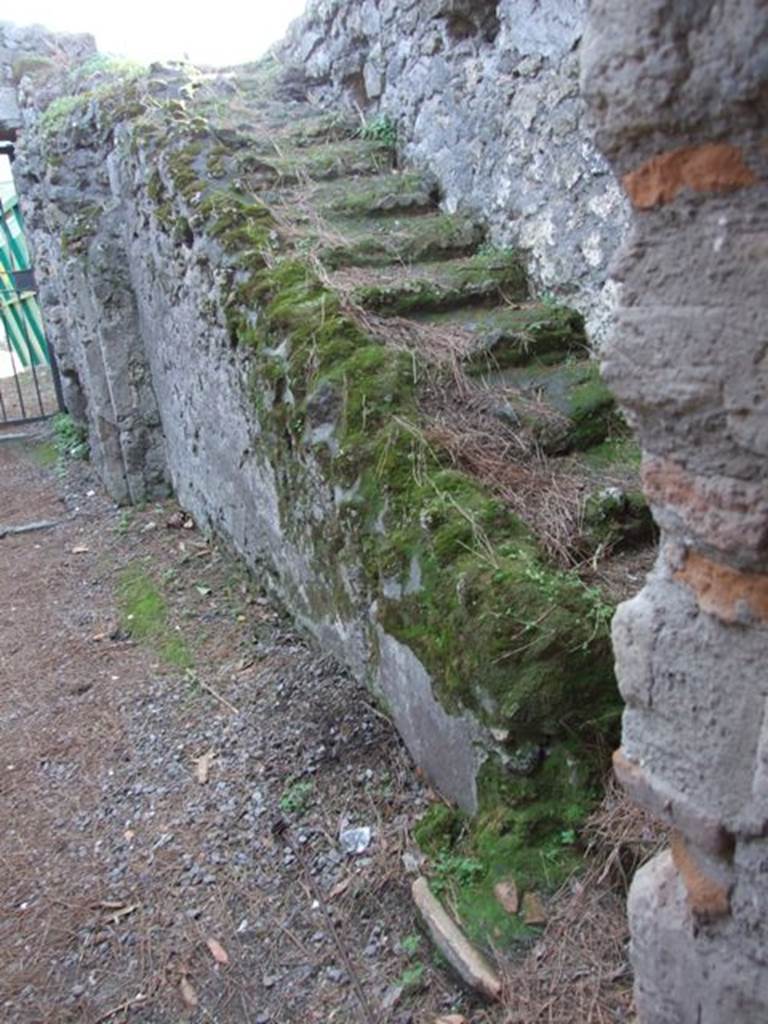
<point>126,878</point>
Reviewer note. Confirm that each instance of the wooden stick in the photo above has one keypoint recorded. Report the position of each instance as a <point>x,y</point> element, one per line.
<point>140,998</point>
<point>218,696</point>
<point>43,524</point>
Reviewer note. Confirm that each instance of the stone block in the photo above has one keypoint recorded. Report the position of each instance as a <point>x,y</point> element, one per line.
<point>712,167</point>
<point>707,882</point>
<point>673,807</point>
<point>729,515</point>
<point>733,595</point>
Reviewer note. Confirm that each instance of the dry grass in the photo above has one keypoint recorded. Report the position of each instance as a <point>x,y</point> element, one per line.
<point>545,493</point>
<point>542,493</point>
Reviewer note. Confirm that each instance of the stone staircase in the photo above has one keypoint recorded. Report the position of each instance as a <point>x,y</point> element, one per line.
<point>365,396</point>
<point>418,277</point>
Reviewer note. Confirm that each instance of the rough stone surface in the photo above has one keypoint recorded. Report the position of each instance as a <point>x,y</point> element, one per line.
<point>158,217</point>
<point>137,292</point>
<point>469,964</point>
<point>486,96</point>
<point>692,973</point>
<point>677,93</point>
<point>22,51</point>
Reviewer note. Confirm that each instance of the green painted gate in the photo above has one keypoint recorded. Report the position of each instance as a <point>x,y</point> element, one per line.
<point>29,382</point>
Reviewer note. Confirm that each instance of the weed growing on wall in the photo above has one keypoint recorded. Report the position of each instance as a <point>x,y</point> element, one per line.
<point>382,129</point>
<point>70,438</point>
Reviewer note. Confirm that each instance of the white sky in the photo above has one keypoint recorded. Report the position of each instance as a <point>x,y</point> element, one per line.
<point>218,32</point>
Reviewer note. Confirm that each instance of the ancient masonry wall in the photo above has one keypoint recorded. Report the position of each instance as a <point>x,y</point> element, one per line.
<point>208,356</point>
<point>678,96</point>
<point>139,321</point>
<point>486,96</point>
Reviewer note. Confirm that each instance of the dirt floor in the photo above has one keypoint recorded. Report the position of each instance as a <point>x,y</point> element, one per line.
<point>24,393</point>
<point>177,767</point>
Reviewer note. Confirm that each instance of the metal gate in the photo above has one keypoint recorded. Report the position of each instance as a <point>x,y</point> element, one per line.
<point>30,388</point>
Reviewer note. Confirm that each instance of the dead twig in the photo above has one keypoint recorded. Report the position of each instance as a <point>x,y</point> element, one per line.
<point>135,1001</point>
<point>195,679</point>
<point>43,524</point>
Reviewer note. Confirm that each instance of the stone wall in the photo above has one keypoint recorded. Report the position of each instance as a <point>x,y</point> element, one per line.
<point>138,318</point>
<point>143,300</point>
<point>169,289</point>
<point>678,94</point>
<point>486,96</point>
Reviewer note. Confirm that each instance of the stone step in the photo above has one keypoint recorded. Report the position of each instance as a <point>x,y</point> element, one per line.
<point>565,407</point>
<point>329,161</point>
<point>279,174</point>
<point>482,279</point>
<point>519,334</point>
<point>382,195</point>
<point>378,242</point>
<point>319,129</point>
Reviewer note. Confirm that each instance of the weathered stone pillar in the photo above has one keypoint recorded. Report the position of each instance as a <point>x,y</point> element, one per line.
<point>678,94</point>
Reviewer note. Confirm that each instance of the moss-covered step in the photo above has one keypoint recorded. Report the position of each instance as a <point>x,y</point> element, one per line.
<point>519,334</point>
<point>380,196</point>
<point>322,129</point>
<point>617,519</point>
<point>424,287</point>
<point>324,162</point>
<point>567,407</point>
<point>376,243</point>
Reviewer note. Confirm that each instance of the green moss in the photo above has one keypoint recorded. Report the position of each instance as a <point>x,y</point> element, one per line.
<point>183,171</point>
<point>217,161</point>
<point>112,98</point>
<point>422,239</point>
<point>241,225</point>
<point>144,614</point>
<point>538,334</point>
<point>522,644</point>
<point>155,187</point>
<point>70,437</point>
<point>592,411</point>
<point>100,69</point>
<point>60,111</point>
<point>31,64</point>
<point>480,279</point>
<point>297,797</point>
<point>379,197</point>
<point>142,605</point>
<point>526,830</point>
<point>615,519</point>
<point>45,454</point>
<point>341,159</point>
<point>619,452</point>
<point>164,214</point>
<point>439,829</point>
<point>572,409</point>
<point>80,229</point>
